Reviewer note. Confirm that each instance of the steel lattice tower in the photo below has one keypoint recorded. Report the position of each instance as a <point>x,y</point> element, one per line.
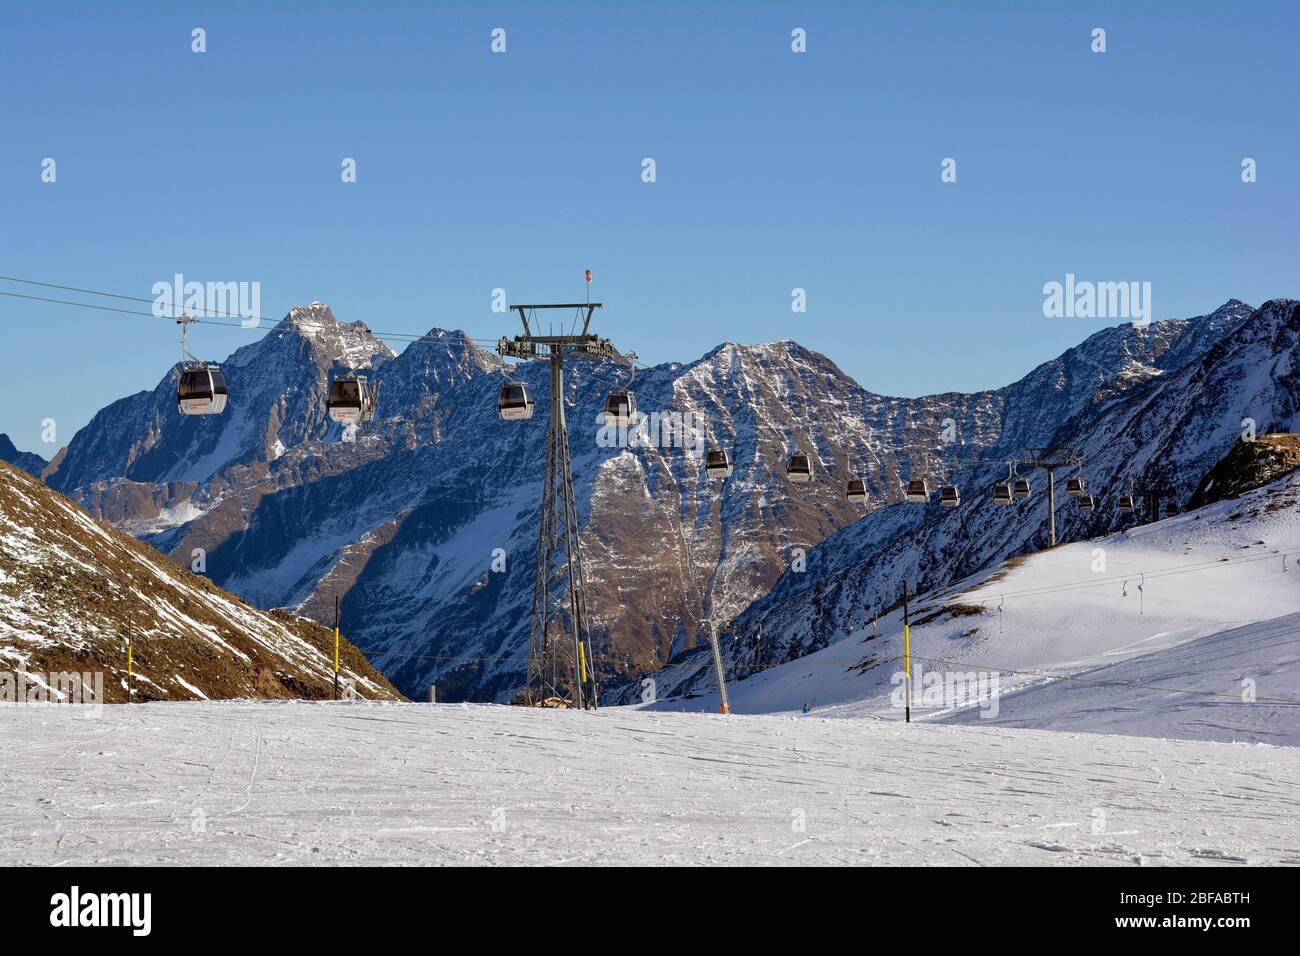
<point>561,671</point>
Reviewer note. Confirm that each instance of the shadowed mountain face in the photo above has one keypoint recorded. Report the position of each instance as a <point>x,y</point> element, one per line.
<point>29,462</point>
<point>1167,431</point>
<point>404,520</point>
<point>73,591</point>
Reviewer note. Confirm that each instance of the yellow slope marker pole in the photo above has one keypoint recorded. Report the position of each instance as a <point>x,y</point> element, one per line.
<point>907,658</point>
<point>336,647</point>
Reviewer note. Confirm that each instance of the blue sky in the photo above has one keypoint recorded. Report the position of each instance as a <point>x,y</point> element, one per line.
<point>775,170</point>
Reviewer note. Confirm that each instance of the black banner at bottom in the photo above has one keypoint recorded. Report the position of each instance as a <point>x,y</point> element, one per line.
<point>333,905</point>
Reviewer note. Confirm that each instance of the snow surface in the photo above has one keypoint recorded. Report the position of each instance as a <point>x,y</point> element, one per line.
<point>367,783</point>
<point>1120,697</point>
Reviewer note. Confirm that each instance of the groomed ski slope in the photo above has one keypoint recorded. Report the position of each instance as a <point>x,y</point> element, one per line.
<point>371,783</point>
<point>1198,603</point>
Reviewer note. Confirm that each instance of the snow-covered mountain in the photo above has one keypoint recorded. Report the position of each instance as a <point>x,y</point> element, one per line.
<point>280,381</point>
<point>1186,627</point>
<point>1168,430</point>
<point>403,522</point>
<point>74,590</point>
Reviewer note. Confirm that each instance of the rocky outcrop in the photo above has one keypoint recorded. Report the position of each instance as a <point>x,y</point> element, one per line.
<point>1252,463</point>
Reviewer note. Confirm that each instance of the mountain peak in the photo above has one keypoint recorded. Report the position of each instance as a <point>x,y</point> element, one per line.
<point>352,343</point>
<point>437,334</point>
<point>310,317</point>
<point>1231,308</point>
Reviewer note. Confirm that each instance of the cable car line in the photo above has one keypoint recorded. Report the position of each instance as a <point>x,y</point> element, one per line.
<point>395,336</point>
<point>403,337</point>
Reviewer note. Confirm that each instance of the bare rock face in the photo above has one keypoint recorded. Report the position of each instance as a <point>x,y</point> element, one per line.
<point>73,590</point>
<point>1249,465</point>
<point>405,520</point>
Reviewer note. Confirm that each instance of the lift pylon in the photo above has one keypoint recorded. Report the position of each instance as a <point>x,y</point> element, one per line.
<point>561,667</point>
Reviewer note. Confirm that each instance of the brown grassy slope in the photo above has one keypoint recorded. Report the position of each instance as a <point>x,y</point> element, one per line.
<point>73,588</point>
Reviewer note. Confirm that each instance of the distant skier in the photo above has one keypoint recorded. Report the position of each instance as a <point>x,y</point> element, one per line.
<point>806,708</point>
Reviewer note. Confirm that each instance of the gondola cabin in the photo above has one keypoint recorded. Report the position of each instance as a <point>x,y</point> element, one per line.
<point>1087,503</point>
<point>201,390</point>
<point>949,497</point>
<point>620,409</point>
<point>800,468</point>
<point>717,463</point>
<point>856,490</point>
<point>917,492</point>
<point>349,401</point>
<point>1021,487</point>
<point>1126,504</point>
<point>1002,493</point>
<point>1074,487</point>
<point>515,403</point>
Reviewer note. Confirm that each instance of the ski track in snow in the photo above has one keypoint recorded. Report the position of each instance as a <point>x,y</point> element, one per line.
<point>368,783</point>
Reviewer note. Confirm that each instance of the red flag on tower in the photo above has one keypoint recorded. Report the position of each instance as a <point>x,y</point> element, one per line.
<point>588,277</point>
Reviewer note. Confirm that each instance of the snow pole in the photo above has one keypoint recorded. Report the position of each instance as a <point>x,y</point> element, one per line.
<point>907,660</point>
<point>336,647</point>
<point>129,662</point>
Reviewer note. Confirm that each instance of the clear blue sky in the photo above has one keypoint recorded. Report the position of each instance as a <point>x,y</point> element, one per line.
<point>775,171</point>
